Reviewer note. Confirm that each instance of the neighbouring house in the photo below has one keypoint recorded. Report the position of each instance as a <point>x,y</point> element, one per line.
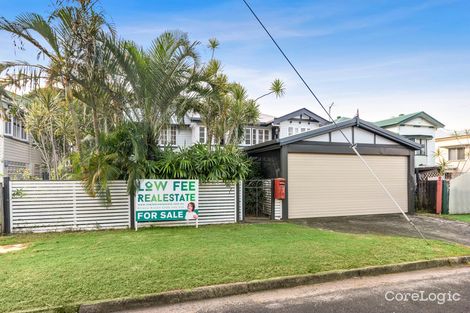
<point>325,178</point>
<point>191,130</point>
<point>454,149</point>
<point>18,157</point>
<point>419,127</point>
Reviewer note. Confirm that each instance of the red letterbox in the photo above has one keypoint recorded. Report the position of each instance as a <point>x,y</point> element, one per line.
<point>279,188</point>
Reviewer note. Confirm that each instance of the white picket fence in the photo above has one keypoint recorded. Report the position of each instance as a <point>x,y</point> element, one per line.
<point>459,194</point>
<point>45,206</point>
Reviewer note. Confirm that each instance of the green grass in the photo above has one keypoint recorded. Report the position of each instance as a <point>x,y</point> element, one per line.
<point>67,268</point>
<point>453,217</point>
<point>458,217</point>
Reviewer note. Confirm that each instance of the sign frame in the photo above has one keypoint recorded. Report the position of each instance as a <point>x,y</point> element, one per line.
<point>160,200</point>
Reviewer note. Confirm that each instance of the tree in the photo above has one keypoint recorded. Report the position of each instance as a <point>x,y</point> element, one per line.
<point>277,88</point>
<point>47,120</point>
<point>225,108</point>
<point>68,39</point>
<point>154,85</point>
<point>213,45</point>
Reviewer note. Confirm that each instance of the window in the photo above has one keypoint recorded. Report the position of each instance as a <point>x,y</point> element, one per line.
<point>260,135</point>
<point>8,127</point>
<point>202,134</point>
<point>173,135</point>
<point>290,131</point>
<point>296,130</point>
<point>424,143</point>
<point>248,136</point>
<point>16,129</point>
<point>253,136</point>
<point>168,136</point>
<point>456,154</point>
<point>266,135</point>
<point>164,137</point>
<point>302,130</point>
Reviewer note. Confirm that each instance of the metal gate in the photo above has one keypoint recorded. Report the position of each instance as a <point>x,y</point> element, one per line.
<point>258,200</point>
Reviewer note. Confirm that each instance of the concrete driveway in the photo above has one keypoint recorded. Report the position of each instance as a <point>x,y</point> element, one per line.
<point>394,224</point>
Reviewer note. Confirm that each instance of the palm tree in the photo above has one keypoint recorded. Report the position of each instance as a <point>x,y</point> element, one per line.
<point>45,118</point>
<point>243,111</point>
<point>277,88</point>
<point>154,85</point>
<point>213,45</point>
<point>57,47</point>
<point>67,38</point>
<point>225,108</point>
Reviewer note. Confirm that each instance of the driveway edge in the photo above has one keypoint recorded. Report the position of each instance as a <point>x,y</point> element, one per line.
<point>216,291</point>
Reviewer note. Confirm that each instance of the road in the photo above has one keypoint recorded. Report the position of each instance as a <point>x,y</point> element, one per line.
<point>435,290</point>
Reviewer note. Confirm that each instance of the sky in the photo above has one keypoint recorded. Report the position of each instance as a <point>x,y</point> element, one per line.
<point>383,58</point>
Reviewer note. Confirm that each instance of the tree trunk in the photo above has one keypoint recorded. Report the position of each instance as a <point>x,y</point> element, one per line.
<point>54,151</point>
<point>96,127</point>
<point>73,113</point>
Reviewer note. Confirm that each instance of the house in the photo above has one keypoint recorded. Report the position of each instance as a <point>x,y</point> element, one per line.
<point>325,178</point>
<point>454,149</point>
<point>419,127</point>
<point>17,154</point>
<point>191,130</point>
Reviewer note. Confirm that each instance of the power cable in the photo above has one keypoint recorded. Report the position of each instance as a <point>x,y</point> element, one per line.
<point>352,146</point>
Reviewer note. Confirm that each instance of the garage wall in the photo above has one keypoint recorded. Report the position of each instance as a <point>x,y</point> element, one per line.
<point>340,185</point>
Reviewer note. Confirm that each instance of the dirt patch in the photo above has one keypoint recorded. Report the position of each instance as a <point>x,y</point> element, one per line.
<point>12,248</point>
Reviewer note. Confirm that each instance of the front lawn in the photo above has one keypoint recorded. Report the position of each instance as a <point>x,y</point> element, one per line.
<point>59,269</point>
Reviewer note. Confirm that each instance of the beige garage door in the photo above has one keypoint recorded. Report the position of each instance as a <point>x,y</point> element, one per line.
<point>340,185</point>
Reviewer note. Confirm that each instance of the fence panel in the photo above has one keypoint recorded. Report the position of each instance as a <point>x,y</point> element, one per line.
<point>459,195</point>
<point>277,209</point>
<point>42,206</point>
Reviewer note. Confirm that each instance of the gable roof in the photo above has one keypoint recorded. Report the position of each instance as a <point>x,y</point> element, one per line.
<point>302,111</point>
<point>407,117</point>
<point>342,119</point>
<point>332,127</point>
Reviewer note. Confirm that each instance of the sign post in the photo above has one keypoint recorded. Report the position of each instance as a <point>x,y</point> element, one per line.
<point>159,200</point>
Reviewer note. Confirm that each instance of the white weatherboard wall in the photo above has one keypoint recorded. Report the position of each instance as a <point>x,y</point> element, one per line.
<point>217,205</point>
<point>459,194</point>
<point>42,206</point>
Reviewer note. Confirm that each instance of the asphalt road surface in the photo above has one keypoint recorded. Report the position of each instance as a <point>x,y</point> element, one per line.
<point>445,290</point>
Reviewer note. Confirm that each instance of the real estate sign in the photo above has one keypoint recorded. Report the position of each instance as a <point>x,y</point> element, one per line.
<point>166,200</point>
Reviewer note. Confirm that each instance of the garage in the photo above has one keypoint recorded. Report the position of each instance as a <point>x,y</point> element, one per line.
<point>325,178</point>
<point>340,185</point>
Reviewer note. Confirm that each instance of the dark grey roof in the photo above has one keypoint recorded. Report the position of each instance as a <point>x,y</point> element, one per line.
<point>332,127</point>
<point>302,111</point>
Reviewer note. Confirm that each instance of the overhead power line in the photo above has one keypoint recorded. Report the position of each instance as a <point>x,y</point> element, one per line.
<point>353,146</point>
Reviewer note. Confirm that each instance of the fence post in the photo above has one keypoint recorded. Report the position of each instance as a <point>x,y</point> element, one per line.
<point>6,206</point>
<point>237,202</point>
<point>132,210</point>
<point>439,195</point>
<point>242,188</point>
<point>273,201</point>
